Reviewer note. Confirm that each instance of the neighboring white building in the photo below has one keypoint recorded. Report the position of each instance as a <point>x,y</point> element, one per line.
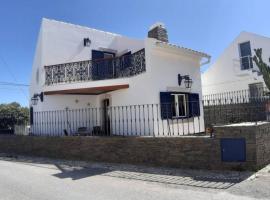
<point>235,70</point>
<point>77,67</point>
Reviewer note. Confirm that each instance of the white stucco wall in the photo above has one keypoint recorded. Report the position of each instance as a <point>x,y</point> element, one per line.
<point>225,73</point>
<point>60,42</point>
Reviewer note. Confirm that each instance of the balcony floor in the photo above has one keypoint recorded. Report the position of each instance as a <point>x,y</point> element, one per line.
<point>89,90</point>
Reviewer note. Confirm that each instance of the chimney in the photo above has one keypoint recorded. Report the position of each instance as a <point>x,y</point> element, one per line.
<point>159,32</point>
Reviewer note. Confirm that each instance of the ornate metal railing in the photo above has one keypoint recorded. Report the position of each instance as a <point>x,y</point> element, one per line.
<point>90,70</point>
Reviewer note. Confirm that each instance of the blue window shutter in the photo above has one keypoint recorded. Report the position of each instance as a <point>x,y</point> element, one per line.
<point>97,65</point>
<point>166,103</point>
<point>194,104</point>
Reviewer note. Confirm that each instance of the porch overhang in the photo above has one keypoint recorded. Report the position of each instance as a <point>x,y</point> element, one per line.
<point>88,91</point>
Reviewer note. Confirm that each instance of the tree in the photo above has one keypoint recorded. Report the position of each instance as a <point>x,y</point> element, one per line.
<point>12,114</point>
<point>263,67</point>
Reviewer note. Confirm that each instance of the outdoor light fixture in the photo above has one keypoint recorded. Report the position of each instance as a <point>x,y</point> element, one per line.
<point>86,42</point>
<point>187,80</point>
<point>34,99</point>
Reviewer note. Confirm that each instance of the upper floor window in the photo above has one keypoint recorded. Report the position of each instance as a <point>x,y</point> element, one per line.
<point>245,55</point>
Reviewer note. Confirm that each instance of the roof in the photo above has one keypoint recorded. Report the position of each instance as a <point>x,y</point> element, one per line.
<point>183,48</point>
<point>79,26</point>
<point>158,42</point>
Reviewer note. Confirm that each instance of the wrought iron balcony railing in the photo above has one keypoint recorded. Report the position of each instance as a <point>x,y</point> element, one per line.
<point>91,70</point>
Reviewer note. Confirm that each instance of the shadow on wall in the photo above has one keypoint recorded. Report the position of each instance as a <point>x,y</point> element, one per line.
<point>78,170</point>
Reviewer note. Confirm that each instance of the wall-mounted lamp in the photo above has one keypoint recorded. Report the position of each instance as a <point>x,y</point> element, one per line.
<point>187,80</point>
<point>86,42</point>
<point>34,99</point>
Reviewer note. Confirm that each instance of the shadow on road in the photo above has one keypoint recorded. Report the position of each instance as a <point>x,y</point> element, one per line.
<point>76,170</point>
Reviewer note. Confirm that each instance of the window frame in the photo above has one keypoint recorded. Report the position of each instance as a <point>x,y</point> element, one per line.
<point>242,57</point>
<point>176,106</point>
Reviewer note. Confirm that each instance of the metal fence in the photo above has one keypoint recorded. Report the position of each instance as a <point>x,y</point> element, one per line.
<point>101,69</point>
<point>236,97</point>
<point>236,107</point>
<point>133,120</point>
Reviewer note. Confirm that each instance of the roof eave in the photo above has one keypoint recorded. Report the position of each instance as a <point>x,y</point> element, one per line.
<point>172,46</point>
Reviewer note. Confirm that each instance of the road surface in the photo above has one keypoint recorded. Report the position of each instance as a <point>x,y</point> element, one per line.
<point>25,178</point>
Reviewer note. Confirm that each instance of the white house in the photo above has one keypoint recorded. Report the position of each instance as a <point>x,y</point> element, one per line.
<point>83,77</point>
<point>235,70</point>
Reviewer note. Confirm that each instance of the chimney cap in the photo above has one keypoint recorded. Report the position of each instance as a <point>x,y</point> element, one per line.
<point>157,24</point>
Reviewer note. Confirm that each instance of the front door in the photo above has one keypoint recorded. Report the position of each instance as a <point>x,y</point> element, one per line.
<point>106,117</point>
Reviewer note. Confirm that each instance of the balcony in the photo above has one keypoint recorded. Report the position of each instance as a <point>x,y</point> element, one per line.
<point>92,70</point>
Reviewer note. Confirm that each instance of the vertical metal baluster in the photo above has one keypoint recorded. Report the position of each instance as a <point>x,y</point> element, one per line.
<point>172,121</point>
<point>177,121</point>
<point>140,118</point>
<point>35,124</point>
<point>127,120</point>
<point>183,126</point>
<point>144,126</point>
<point>157,119</point>
<point>130,113</point>
<point>162,121</point>
<point>111,121</point>
<point>89,119</point>
<point>153,120</point>
<point>123,119</point>
<point>188,126</point>
<point>115,121</point>
<point>135,120</point>
<point>53,119</point>
<point>96,116</point>
<point>44,123</point>
<point>48,124</point>
<point>93,120</point>
<point>119,121</point>
<point>58,122</point>
<point>148,120</point>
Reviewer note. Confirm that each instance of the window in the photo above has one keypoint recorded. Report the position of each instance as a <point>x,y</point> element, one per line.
<point>179,105</point>
<point>102,67</point>
<point>108,55</point>
<point>255,90</point>
<point>245,55</point>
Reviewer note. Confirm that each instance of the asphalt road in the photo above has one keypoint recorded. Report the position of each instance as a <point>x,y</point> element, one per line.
<point>30,179</point>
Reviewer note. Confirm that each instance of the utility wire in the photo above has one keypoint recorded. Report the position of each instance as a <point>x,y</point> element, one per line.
<point>12,75</point>
<point>13,84</point>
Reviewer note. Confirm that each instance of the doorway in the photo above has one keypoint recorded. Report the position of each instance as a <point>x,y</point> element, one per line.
<point>106,117</point>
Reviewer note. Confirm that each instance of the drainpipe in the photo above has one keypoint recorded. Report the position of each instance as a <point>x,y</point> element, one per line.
<point>207,61</point>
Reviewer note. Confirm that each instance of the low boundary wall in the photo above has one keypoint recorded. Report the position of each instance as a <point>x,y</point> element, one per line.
<point>201,152</point>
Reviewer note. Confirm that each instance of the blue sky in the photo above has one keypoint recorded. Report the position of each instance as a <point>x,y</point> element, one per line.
<point>204,25</point>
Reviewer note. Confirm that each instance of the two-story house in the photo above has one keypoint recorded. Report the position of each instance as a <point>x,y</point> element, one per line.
<point>78,68</point>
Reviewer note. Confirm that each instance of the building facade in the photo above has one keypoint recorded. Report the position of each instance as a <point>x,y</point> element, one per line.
<point>77,68</point>
<point>235,70</point>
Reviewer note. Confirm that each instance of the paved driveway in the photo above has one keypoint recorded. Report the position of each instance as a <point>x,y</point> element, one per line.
<point>26,178</point>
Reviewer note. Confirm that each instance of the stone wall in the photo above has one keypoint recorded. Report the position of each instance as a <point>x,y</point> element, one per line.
<point>190,152</point>
<point>263,145</point>
<point>234,113</point>
<point>201,152</point>
<point>257,139</point>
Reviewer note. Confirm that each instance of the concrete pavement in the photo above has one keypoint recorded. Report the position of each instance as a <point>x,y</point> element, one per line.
<point>26,178</point>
